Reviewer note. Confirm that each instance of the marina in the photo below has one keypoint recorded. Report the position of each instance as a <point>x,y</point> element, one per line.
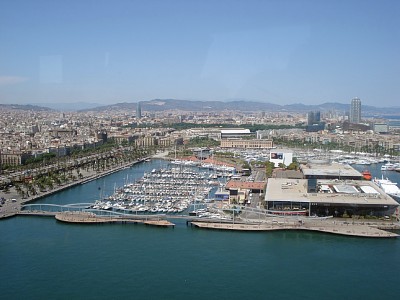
<point>174,193</point>
<point>166,190</point>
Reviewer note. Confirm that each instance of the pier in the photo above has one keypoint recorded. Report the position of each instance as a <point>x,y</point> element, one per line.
<point>92,218</point>
<point>79,213</point>
<point>356,230</point>
<point>82,214</point>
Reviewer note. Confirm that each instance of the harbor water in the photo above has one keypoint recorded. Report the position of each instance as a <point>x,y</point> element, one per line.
<point>43,258</point>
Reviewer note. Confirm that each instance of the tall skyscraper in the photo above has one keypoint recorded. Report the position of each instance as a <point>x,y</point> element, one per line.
<point>314,123</point>
<point>355,111</point>
<point>138,111</point>
<point>310,118</point>
<point>313,117</point>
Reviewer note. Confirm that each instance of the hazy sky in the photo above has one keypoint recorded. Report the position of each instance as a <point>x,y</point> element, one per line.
<point>272,51</point>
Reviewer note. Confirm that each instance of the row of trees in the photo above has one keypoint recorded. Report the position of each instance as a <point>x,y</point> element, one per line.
<point>44,178</point>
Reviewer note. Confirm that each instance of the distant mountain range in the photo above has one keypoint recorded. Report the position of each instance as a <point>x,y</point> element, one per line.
<point>241,105</point>
<point>24,107</point>
<point>207,106</point>
<point>74,106</point>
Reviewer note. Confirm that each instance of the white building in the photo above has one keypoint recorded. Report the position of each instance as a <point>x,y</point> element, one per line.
<point>235,133</point>
<point>281,156</point>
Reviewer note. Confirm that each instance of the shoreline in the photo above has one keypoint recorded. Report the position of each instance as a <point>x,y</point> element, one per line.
<point>13,208</point>
<point>353,230</point>
<point>13,205</point>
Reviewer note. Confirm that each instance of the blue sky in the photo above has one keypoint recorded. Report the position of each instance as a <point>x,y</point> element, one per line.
<point>280,52</point>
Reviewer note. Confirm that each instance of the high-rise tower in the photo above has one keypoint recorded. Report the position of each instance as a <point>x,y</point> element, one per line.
<point>355,111</point>
<point>313,117</point>
<point>310,118</point>
<point>138,111</point>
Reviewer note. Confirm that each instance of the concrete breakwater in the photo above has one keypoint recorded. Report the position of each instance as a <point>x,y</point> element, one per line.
<point>357,230</point>
<point>333,227</point>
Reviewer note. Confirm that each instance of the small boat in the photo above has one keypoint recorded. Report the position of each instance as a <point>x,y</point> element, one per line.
<point>366,175</point>
<point>387,167</point>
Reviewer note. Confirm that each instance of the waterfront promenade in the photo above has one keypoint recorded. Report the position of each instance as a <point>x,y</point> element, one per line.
<point>243,223</point>
<point>79,217</point>
<point>333,227</point>
<point>13,202</point>
<point>371,229</point>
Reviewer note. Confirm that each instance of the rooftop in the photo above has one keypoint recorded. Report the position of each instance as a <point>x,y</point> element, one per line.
<point>245,185</point>
<point>333,169</point>
<point>235,131</point>
<point>328,191</point>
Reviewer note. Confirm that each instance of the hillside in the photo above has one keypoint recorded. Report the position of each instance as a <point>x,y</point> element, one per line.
<point>240,105</point>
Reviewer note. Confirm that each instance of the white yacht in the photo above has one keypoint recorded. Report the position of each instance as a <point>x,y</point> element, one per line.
<point>389,188</point>
<point>387,167</point>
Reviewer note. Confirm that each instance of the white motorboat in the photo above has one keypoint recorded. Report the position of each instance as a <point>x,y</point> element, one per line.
<point>389,188</point>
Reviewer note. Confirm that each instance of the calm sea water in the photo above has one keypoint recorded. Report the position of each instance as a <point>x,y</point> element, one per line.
<point>41,258</point>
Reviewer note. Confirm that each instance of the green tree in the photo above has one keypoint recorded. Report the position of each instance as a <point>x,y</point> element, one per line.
<point>293,166</point>
<point>269,167</point>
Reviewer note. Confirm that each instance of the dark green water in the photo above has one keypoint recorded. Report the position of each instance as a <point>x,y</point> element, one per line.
<point>41,258</point>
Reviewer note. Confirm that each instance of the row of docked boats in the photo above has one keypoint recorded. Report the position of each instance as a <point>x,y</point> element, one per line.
<point>220,170</point>
<point>391,167</point>
<point>208,213</point>
<point>361,161</point>
<point>169,190</point>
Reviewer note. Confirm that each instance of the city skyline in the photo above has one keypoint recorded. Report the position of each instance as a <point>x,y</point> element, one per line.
<point>128,51</point>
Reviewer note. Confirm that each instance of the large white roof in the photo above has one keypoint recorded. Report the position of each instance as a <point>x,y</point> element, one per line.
<point>235,131</point>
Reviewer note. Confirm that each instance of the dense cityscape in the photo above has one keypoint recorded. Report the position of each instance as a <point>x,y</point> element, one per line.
<point>199,149</point>
<point>52,150</point>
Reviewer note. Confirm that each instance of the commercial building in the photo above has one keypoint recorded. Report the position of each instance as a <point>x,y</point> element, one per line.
<point>314,123</point>
<point>326,197</point>
<point>382,128</point>
<point>235,133</point>
<point>281,157</point>
<point>13,157</point>
<point>240,192</point>
<point>315,127</point>
<point>322,169</point>
<point>313,117</point>
<point>146,141</point>
<point>355,111</point>
<point>246,143</point>
<point>328,189</point>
